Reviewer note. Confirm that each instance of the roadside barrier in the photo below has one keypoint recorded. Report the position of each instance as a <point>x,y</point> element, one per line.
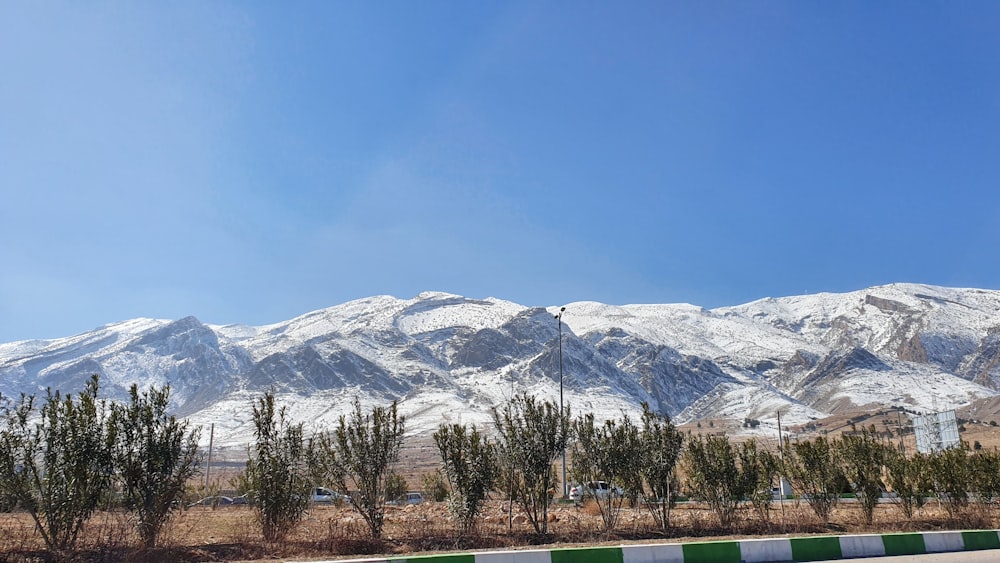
<point>810,548</point>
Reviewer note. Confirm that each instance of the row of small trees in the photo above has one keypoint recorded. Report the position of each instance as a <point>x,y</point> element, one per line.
<point>863,464</point>
<point>360,453</point>
<point>822,471</point>
<point>62,459</point>
<point>358,456</point>
<point>654,462</point>
<point>65,457</point>
<point>532,434</point>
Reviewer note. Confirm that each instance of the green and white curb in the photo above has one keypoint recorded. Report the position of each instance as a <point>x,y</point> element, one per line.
<point>814,548</point>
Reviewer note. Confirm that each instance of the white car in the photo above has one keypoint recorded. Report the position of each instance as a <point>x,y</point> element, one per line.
<point>322,494</point>
<point>597,489</point>
<point>409,498</point>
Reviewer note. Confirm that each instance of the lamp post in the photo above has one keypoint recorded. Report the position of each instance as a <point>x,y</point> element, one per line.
<point>559,319</point>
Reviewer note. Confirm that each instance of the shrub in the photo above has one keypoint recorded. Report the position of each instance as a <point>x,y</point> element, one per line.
<point>435,486</point>
<point>470,465</point>
<point>57,465</point>
<point>395,487</point>
<point>607,453</point>
<point>951,473</point>
<point>662,444</point>
<point>862,457</point>
<point>532,435</point>
<point>713,476</point>
<point>812,467</point>
<point>758,468</point>
<point>154,456</point>
<point>985,473</point>
<point>277,470</point>
<point>909,479</point>
<point>360,456</point>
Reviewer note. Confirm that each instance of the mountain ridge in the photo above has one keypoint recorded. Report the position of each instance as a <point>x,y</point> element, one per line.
<point>448,358</point>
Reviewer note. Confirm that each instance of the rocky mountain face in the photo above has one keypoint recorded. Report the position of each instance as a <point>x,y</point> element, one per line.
<point>448,358</point>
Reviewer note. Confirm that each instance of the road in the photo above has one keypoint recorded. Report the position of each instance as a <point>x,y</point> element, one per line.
<point>984,556</point>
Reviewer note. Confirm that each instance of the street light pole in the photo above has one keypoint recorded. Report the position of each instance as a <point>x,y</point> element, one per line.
<point>559,318</point>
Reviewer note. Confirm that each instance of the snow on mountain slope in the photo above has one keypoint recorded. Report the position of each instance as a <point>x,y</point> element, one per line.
<point>432,312</point>
<point>928,333</point>
<point>448,358</point>
<point>739,402</point>
<point>36,364</point>
<point>878,313</point>
<point>690,330</point>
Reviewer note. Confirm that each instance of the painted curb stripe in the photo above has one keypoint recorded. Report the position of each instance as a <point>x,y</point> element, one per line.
<point>712,552</point>
<point>904,544</point>
<point>938,542</point>
<point>663,553</point>
<point>760,551</point>
<point>524,556</point>
<point>980,540</point>
<point>447,558</point>
<point>861,546</point>
<point>815,549</point>
<point>587,555</point>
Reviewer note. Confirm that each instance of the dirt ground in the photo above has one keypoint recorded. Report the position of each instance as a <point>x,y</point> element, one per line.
<point>231,533</point>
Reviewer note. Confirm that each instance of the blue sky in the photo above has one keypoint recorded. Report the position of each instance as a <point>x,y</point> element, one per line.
<point>249,162</point>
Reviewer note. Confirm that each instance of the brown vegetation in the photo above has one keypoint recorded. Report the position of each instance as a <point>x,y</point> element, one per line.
<point>231,533</point>
<point>234,533</point>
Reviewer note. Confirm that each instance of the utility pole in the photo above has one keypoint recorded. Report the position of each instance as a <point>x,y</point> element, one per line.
<point>559,318</point>
<point>510,482</point>
<point>899,424</point>
<point>208,465</point>
<point>781,488</point>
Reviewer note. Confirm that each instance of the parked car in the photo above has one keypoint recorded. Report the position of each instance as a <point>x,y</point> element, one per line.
<point>323,494</point>
<point>410,498</point>
<point>596,489</point>
<point>213,501</point>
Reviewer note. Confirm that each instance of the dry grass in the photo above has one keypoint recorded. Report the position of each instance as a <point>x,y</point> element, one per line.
<point>232,534</point>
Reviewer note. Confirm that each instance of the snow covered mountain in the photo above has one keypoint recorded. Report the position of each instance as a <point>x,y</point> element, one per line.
<point>448,358</point>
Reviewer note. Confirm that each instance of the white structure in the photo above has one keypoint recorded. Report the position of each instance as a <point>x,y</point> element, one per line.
<point>936,431</point>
